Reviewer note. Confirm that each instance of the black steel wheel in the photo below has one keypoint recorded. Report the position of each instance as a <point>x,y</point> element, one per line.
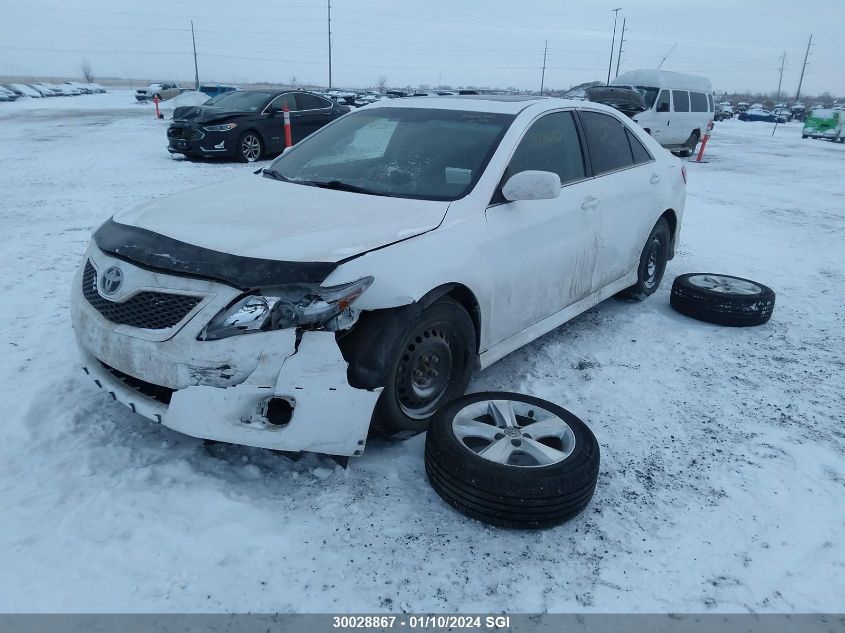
<point>433,365</point>
<point>653,260</point>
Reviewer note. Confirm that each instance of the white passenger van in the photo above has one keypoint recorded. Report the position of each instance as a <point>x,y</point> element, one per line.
<point>680,107</point>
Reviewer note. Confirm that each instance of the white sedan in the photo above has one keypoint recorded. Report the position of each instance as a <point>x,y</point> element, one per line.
<point>363,276</point>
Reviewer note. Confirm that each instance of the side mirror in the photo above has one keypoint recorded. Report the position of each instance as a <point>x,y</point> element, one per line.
<point>532,185</point>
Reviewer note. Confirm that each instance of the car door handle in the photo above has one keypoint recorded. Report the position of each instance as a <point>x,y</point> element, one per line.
<point>655,178</point>
<point>590,203</point>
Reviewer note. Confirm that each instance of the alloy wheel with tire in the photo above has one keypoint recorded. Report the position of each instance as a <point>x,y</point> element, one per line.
<point>433,365</point>
<point>722,299</point>
<point>250,147</point>
<point>653,260</point>
<point>512,460</point>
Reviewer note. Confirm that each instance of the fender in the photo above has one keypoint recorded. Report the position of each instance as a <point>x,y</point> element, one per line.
<point>372,345</point>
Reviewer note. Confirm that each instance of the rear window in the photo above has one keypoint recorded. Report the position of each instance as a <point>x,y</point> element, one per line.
<point>608,142</point>
<point>244,101</point>
<point>698,102</point>
<point>681,100</point>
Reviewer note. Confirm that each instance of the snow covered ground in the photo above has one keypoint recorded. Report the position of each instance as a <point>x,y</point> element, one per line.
<point>722,449</point>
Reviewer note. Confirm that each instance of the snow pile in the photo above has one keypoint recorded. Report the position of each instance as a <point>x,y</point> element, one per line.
<point>722,449</point>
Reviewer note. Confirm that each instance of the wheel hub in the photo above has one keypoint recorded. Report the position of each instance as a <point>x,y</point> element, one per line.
<point>424,373</point>
<point>652,264</point>
<point>513,433</point>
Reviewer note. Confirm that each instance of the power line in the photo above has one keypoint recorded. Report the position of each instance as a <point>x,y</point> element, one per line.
<point>665,57</point>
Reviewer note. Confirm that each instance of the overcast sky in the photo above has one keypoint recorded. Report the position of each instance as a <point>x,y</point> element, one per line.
<point>495,43</point>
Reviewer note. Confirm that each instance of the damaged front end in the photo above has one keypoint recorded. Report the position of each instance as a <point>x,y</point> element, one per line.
<point>259,367</point>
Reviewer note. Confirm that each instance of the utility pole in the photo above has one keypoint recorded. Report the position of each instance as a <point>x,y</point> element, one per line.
<point>196,72</point>
<point>621,41</point>
<point>804,68</point>
<point>612,42</point>
<point>782,60</point>
<point>666,56</point>
<point>330,43</point>
<point>543,75</point>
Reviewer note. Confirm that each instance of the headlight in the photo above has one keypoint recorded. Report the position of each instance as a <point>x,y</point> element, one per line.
<point>281,307</point>
<point>223,127</point>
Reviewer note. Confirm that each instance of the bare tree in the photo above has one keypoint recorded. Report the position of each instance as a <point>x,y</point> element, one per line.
<point>293,81</point>
<point>87,71</point>
<point>381,84</point>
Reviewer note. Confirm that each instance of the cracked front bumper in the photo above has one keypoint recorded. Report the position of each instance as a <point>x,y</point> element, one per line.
<point>220,390</point>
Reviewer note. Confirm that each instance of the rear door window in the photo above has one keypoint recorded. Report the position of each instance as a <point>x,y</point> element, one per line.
<point>607,139</point>
<point>663,101</point>
<point>639,151</point>
<point>311,102</point>
<point>710,106</point>
<point>551,144</point>
<point>681,100</point>
<point>698,102</point>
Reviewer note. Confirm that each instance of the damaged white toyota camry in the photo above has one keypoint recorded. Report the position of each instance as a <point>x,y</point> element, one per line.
<point>361,278</point>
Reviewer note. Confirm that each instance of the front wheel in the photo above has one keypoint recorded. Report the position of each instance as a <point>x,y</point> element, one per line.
<point>250,147</point>
<point>432,366</point>
<point>653,261</point>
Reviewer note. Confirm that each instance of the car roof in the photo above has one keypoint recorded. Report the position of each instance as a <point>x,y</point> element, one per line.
<point>502,104</point>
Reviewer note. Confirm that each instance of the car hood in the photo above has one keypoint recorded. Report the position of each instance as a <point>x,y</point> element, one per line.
<point>204,114</point>
<point>259,217</point>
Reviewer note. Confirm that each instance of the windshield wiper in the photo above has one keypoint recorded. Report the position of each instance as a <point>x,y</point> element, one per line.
<point>270,173</point>
<point>339,185</point>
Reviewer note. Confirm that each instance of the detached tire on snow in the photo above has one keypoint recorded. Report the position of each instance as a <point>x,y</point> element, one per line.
<point>722,299</point>
<point>511,460</point>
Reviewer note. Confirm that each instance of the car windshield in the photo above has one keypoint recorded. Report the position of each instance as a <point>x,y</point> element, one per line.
<point>245,101</point>
<point>649,95</point>
<point>430,154</point>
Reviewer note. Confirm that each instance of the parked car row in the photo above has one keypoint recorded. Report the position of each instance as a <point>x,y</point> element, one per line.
<point>163,91</point>
<point>14,91</point>
<point>248,124</point>
<point>759,114</point>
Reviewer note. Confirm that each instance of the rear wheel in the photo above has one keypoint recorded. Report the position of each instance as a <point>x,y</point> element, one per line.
<point>432,367</point>
<point>653,261</point>
<point>689,146</point>
<point>250,147</point>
